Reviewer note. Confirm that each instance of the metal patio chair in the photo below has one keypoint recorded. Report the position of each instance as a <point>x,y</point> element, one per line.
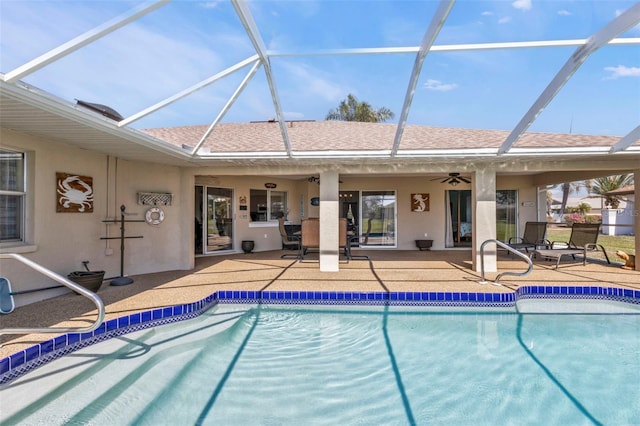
<point>535,234</point>
<point>289,242</point>
<point>583,240</point>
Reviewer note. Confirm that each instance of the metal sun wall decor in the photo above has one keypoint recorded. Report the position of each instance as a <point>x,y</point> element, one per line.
<point>420,202</point>
<point>74,193</point>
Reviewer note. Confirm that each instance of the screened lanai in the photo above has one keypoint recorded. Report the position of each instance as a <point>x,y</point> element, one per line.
<point>500,92</point>
<point>513,66</point>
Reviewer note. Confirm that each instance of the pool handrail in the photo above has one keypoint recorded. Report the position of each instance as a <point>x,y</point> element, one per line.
<point>67,283</point>
<point>509,249</point>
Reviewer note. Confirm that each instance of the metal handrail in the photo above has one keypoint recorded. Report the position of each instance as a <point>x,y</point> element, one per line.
<point>67,283</point>
<point>510,249</point>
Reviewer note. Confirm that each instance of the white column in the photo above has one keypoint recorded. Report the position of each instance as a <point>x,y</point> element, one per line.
<point>329,212</point>
<point>609,221</point>
<point>484,219</point>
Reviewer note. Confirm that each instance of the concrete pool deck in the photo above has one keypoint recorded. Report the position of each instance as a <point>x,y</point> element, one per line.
<point>390,271</point>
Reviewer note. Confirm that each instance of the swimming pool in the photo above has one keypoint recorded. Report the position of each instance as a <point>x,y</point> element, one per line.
<point>278,364</point>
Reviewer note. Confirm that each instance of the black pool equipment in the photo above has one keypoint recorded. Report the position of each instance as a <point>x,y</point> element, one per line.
<point>91,280</point>
<point>121,280</point>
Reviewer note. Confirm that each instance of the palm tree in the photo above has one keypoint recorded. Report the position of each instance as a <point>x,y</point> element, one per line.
<point>351,109</point>
<point>602,186</point>
<point>568,188</point>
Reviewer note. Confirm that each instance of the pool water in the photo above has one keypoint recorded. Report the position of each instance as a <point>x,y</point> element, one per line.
<point>249,365</point>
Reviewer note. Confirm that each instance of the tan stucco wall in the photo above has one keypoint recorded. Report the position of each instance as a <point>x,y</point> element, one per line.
<point>61,241</point>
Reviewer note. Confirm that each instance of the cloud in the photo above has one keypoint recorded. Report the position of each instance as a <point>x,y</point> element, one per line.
<point>504,20</point>
<point>564,12</point>
<point>310,82</point>
<point>487,13</point>
<point>439,86</point>
<point>210,4</point>
<point>622,71</point>
<point>522,4</point>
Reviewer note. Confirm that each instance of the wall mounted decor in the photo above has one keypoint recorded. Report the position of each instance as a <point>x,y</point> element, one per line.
<point>155,198</point>
<point>420,202</point>
<point>74,193</point>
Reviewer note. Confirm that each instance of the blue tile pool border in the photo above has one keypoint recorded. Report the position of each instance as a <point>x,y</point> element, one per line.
<point>28,359</point>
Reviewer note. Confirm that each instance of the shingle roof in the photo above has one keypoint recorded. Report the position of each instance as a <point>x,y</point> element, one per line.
<point>355,136</point>
<point>625,190</point>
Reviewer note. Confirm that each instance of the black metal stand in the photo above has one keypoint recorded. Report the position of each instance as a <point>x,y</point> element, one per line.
<point>121,280</point>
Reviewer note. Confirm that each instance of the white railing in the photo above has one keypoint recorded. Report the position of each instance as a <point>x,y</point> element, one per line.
<point>511,250</point>
<point>67,283</point>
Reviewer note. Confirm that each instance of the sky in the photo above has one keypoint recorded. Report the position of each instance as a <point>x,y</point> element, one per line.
<point>185,42</point>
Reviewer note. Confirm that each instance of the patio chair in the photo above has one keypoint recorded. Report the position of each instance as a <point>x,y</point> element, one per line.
<point>344,242</point>
<point>583,239</point>
<point>289,242</point>
<point>310,235</point>
<point>534,237</point>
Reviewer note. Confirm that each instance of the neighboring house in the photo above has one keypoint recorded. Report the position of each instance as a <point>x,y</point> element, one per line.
<point>573,202</point>
<point>620,221</point>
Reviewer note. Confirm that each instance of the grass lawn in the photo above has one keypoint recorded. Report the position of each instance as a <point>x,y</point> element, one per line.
<point>625,243</point>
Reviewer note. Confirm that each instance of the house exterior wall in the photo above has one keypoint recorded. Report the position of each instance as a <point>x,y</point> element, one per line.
<point>620,221</point>
<point>61,241</point>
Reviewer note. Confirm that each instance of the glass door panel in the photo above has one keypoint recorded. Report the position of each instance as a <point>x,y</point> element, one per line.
<point>506,213</point>
<point>378,224</point>
<point>460,215</point>
<point>349,209</point>
<point>219,220</point>
<point>199,214</point>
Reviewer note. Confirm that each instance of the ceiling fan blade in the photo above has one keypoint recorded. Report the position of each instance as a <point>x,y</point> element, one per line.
<point>465,180</point>
<point>445,179</point>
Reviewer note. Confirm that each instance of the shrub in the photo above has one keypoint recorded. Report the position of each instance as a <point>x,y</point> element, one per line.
<point>572,218</point>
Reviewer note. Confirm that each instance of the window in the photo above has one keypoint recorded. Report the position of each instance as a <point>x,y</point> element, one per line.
<point>12,196</point>
<point>267,205</point>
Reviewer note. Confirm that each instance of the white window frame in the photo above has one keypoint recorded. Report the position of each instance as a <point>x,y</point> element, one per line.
<point>268,219</point>
<point>23,243</point>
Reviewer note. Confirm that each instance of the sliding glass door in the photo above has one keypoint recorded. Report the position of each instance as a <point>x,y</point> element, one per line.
<point>459,228</point>
<point>214,220</point>
<point>506,214</point>
<point>378,219</point>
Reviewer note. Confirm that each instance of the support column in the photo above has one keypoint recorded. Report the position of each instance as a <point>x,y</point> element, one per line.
<point>329,213</point>
<point>484,219</point>
<point>636,215</point>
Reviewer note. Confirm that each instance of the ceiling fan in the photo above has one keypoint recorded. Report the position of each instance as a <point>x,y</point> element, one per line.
<point>317,180</point>
<point>453,179</point>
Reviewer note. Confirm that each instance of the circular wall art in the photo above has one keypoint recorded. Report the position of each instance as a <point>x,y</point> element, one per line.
<point>154,216</point>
